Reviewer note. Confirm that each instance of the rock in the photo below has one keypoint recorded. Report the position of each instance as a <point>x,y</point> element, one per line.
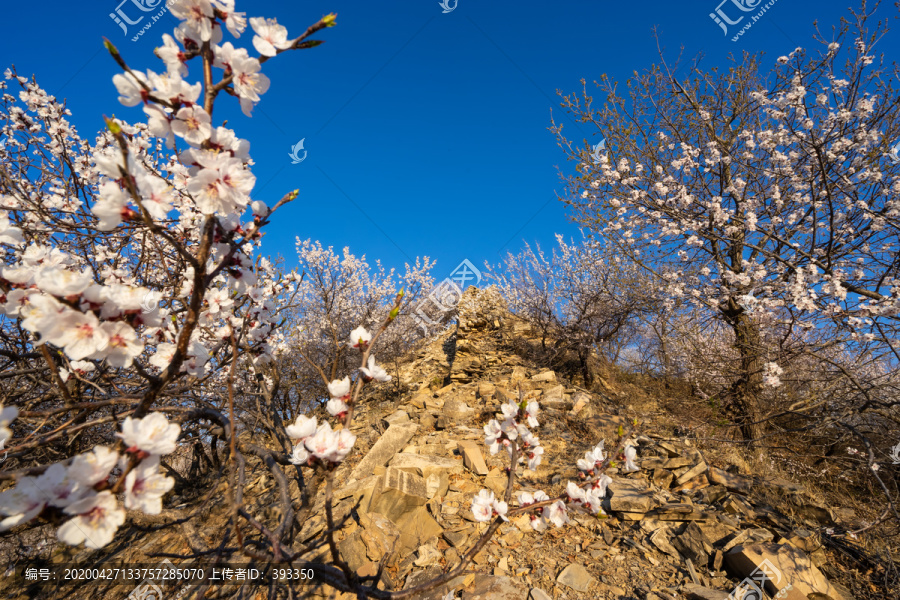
<point>731,482</point>
<point>486,587</point>
<point>692,591</point>
<point>436,470</point>
<point>783,565</point>
<point>518,374</point>
<point>427,556</point>
<point>630,495</point>
<point>662,478</point>
<point>660,539</point>
<point>376,537</point>
<point>390,443</point>
<point>555,394</point>
<point>691,473</point>
<point>472,457</point>
<point>576,577</point>
<point>497,482</point>
<point>486,390</point>
<point>712,494</point>
<point>548,376</point>
<point>676,462</point>
<point>361,491</point>
<point>806,540</point>
<point>420,577</point>
<point>457,410</point>
<point>401,493</point>
<point>370,569</point>
<point>399,417</point>
<point>580,401</point>
<point>538,594</point>
<point>631,502</point>
<point>749,536</point>
<point>457,539</point>
<point>417,527</point>
<point>692,544</point>
<point>353,550</point>
<point>716,532</point>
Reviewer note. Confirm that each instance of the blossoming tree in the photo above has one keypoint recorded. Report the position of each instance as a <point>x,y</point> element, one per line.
<point>768,201</point>
<point>581,298</point>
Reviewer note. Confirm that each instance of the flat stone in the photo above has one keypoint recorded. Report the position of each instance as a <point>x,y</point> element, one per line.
<point>696,471</point>
<point>580,400</point>
<point>692,591</point>
<point>731,482</point>
<point>662,478</point>
<point>399,417</point>
<point>693,545</point>
<point>361,489</point>
<point>486,587</point>
<point>660,539</point>
<point>473,459</point>
<point>353,550</point>
<point>576,577</point>
<point>379,534</point>
<point>457,410</point>
<point>486,390</point>
<point>456,538</point>
<point>497,481</point>
<point>390,443</point>
<point>538,594</point>
<point>401,492</point>
<point>632,503</point>
<point>417,527</point>
<point>783,566</point>
<point>436,470</point>
<point>677,462</point>
<point>548,376</point>
<point>554,394</point>
<point>427,555</point>
<point>630,495</point>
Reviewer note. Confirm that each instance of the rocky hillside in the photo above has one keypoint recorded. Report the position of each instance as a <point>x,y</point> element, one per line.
<point>686,525</point>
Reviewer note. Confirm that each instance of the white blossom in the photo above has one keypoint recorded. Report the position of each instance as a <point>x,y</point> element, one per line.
<point>145,486</point>
<point>96,520</point>
<point>152,434</point>
<point>302,428</point>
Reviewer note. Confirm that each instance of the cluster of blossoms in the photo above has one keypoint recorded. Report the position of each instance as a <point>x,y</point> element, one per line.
<point>339,389</point>
<point>314,441</point>
<point>514,429</point>
<point>318,441</point>
<point>83,492</point>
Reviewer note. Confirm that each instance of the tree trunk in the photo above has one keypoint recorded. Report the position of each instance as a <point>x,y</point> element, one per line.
<point>586,369</point>
<point>745,391</point>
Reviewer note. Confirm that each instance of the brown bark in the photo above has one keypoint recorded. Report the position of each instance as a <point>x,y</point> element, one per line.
<point>743,397</point>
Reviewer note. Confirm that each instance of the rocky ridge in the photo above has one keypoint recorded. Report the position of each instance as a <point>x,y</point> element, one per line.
<point>680,527</point>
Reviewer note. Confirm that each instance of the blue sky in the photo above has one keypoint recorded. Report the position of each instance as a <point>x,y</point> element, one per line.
<point>427,133</point>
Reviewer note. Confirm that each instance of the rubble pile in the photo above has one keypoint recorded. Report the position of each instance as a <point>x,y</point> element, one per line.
<point>678,528</point>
